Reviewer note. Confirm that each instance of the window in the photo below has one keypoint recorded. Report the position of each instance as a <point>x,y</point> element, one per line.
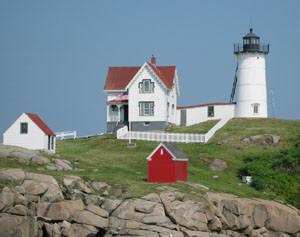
<point>146,86</point>
<point>173,108</point>
<point>146,124</point>
<point>168,109</point>
<point>255,108</point>
<point>146,108</point>
<point>210,111</point>
<point>114,108</point>
<point>24,128</point>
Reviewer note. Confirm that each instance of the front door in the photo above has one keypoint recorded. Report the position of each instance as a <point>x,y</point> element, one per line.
<point>125,109</point>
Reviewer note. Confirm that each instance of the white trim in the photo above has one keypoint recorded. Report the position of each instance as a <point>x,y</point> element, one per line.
<point>161,144</point>
<point>152,72</point>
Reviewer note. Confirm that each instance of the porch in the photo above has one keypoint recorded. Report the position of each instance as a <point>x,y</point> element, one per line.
<point>117,116</point>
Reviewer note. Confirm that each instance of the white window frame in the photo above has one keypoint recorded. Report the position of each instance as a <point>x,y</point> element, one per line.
<point>146,108</point>
<point>146,86</point>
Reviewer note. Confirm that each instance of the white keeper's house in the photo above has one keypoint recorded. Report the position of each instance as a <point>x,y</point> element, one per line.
<point>146,96</point>
<point>31,132</point>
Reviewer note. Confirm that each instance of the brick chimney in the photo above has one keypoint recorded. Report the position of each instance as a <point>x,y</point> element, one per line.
<point>153,60</point>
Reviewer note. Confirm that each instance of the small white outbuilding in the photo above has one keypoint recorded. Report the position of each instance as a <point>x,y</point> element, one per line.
<point>29,131</point>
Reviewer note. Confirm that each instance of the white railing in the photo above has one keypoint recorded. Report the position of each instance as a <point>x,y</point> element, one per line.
<point>160,136</point>
<point>123,133</point>
<point>215,128</point>
<point>66,135</point>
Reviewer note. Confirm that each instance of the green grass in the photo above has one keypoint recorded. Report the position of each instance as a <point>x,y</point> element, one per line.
<point>107,159</point>
<point>197,128</point>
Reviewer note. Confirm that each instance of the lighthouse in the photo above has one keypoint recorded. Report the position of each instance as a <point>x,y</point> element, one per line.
<point>249,90</point>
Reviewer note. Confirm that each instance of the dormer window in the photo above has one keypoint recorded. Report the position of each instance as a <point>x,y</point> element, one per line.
<point>255,108</point>
<point>146,86</point>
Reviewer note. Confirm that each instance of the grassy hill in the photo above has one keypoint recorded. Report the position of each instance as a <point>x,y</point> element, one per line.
<point>107,159</point>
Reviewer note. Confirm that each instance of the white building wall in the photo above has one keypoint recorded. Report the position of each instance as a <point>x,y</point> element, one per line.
<point>159,97</point>
<point>35,138</point>
<point>172,99</point>
<point>251,85</point>
<point>199,114</point>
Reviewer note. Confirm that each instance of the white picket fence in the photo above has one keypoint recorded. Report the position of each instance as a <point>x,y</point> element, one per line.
<point>66,135</point>
<point>123,133</point>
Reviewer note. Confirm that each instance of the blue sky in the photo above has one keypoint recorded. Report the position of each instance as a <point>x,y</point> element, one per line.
<point>54,54</point>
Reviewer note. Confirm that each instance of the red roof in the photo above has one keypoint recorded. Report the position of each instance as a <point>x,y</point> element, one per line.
<point>203,105</point>
<point>119,77</point>
<point>39,122</point>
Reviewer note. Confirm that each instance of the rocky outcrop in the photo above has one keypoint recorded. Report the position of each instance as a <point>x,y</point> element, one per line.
<point>218,165</point>
<point>39,207</point>
<point>264,139</point>
<point>36,157</point>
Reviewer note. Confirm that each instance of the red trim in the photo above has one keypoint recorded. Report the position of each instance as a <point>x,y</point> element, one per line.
<point>39,122</point>
<point>203,105</point>
<point>118,101</point>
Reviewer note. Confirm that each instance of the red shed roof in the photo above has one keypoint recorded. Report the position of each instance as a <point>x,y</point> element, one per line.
<point>119,77</point>
<point>40,123</point>
<point>204,105</point>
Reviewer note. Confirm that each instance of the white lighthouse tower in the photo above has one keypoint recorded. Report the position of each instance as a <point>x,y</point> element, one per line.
<point>249,87</point>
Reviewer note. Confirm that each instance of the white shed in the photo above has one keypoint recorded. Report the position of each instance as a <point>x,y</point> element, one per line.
<point>29,131</point>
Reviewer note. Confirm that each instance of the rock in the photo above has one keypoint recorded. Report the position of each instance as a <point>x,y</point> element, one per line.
<point>215,224</point>
<point>99,186</point>
<point>97,210</point>
<point>144,206</point>
<point>155,220</point>
<point>34,188</point>
<point>65,228</point>
<point>63,164</point>
<point>17,226</point>
<point>198,186</point>
<point>19,210</point>
<point>93,199</point>
<point>186,213</point>
<point>59,211</point>
<point>152,197</point>
<point>191,233</point>
<point>51,166</point>
<point>218,165</point>
<point>75,182</point>
<point>21,156</point>
<point>260,216</point>
<point>89,218</point>
<point>54,193</point>
<point>51,230</point>
<point>282,218</point>
<point>80,230</point>
<point>128,227</point>
<point>262,139</point>
<point>127,210</point>
<point>11,175</point>
<point>40,160</point>
<point>19,199</point>
<point>6,199</point>
<point>20,189</point>
<point>111,204</point>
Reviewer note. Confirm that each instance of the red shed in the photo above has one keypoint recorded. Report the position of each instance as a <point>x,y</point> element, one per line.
<point>167,164</point>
